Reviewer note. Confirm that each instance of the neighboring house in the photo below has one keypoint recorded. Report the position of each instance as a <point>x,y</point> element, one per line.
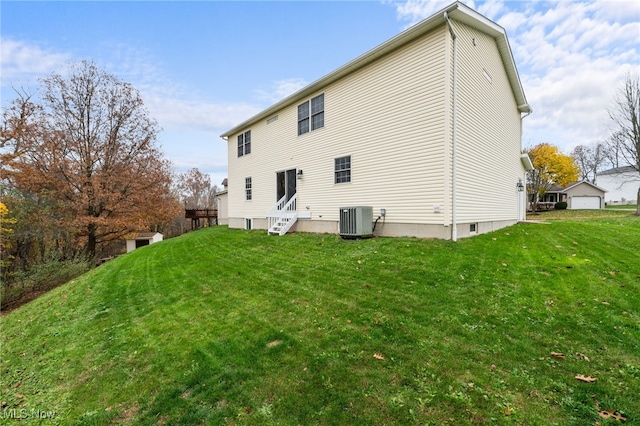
<point>425,129</point>
<point>223,204</point>
<point>143,239</point>
<point>621,183</point>
<point>578,196</point>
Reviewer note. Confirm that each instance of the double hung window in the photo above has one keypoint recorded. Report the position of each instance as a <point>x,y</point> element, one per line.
<point>247,189</point>
<point>311,115</point>
<point>343,169</point>
<point>244,143</point>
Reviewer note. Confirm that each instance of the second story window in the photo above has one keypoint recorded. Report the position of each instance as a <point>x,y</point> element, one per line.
<point>244,143</point>
<point>311,115</point>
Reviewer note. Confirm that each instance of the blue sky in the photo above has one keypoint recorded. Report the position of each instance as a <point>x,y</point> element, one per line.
<point>205,66</point>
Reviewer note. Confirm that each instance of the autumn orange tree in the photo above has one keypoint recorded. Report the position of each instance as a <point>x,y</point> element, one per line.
<point>88,148</point>
<point>550,167</point>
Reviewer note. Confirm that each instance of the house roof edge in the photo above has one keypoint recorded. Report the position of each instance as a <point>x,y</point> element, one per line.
<point>456,11</point>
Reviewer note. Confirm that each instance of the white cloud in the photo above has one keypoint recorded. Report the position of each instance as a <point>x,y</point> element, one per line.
<point>281,89</point>
<point>490,8</point>
<point>415,11</point>
<point>623,11</point>
<point>173,112</point>
<point>571,55</point>
<point>191,125</point>
<point>22,60</point>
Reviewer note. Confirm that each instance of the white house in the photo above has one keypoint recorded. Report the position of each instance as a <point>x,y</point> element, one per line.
<point>143,239</point>
<point>223,204</point>
<point>621,183</point>
<point>424,129</point>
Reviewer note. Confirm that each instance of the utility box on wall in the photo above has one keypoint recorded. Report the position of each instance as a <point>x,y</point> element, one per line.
<point>356,222</point>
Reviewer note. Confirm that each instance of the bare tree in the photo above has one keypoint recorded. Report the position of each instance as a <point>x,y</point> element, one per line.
<point>625,115</point>
<point>613,151</point>
<point>195,190</point>
<point>590,159</point>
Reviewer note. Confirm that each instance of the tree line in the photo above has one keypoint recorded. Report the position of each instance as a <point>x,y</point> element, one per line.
<point>82,170</point>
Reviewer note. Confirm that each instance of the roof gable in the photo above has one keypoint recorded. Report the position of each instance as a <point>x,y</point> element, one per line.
<point>456,11</point>
<point>618,170</point>
<point>572,185</point>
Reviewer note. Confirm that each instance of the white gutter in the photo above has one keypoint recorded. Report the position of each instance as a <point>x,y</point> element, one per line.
<point>454,219</point>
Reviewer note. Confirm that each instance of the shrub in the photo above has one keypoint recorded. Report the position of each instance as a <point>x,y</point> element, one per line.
<point>23,286</point>
<point>561,205</point>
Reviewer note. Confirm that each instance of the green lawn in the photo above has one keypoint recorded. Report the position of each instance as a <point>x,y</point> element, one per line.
<point>581,214</point>
<point>621,206</point>
<point>233,327</point>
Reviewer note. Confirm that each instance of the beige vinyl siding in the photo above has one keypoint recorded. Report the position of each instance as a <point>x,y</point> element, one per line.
<point>272,149</point>
<point>488,126</point>
<point>389,117</point>
<point>584,189</point>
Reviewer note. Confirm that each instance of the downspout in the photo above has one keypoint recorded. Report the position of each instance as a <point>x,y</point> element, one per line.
<point>454,227</point>
<point>523,203</point>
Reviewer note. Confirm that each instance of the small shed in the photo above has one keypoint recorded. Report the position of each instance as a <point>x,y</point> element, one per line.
<point>143,239</point>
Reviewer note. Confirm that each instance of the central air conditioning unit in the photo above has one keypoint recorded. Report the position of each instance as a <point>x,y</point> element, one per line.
<point>356,222</point>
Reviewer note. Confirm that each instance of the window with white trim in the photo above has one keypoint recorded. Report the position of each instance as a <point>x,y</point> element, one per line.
<point>311,115</point>
<point>342,171</point>
<point>244,143</point>
<point>247,189</point>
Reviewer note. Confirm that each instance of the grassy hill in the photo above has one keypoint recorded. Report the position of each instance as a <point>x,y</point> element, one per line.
<point>232,327</point>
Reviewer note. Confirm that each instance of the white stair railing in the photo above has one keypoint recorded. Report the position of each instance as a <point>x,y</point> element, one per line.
<point>282,216</point>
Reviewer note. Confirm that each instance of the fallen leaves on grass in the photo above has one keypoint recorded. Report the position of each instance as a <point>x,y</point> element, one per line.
<point>587,379</point>
<point>611,414</point>
<point>273,343</point>
<point>557,355</point>
<point>582,356</point>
